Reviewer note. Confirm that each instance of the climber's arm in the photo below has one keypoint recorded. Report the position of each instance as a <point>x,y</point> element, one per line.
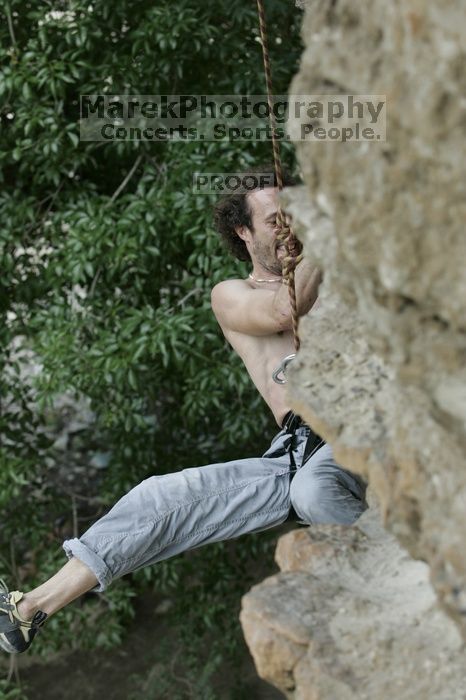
<point>307,280</point>
<point>240,308</point>
<point>264,311</point>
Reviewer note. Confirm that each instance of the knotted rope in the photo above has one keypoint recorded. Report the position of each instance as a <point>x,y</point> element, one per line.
<point>286,236</point>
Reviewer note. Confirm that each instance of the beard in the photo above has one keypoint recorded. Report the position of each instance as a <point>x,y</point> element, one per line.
<point>266,256</point>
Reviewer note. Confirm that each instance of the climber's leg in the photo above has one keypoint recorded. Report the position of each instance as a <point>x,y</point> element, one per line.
<point>166,515</point>
<point>161,517</point>
<point>70,582</point>
<point>323,492</point>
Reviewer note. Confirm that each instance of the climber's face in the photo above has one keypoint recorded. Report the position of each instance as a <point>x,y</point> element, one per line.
<point>261,240</point>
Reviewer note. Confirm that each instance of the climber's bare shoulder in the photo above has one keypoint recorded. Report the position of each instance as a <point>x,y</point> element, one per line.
<point>249,323</point>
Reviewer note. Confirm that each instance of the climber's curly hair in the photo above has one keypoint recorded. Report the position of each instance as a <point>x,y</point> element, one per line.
<point>234,210</point>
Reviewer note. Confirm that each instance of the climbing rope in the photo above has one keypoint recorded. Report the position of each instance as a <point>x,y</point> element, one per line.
<point>286,236</point>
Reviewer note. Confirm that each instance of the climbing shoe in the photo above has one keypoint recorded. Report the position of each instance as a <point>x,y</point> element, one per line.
<point>16,634</point>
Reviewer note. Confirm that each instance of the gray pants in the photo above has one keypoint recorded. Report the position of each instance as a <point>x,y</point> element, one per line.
<point>169,514</point>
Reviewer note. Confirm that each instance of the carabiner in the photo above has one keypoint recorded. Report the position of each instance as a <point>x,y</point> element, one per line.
<point>282,368</point>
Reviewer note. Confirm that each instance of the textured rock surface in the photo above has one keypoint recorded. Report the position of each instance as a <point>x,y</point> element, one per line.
<point>351,617</point>
<point>381,373</point>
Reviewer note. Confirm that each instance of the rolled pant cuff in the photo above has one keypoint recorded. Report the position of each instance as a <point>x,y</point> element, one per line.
<point>75,548</point>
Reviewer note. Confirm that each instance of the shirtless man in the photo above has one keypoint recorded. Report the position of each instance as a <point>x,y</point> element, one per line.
<point>169,514</point>
<point>255,314</point>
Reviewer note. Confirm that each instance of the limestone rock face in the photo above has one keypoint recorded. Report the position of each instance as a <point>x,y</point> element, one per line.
<point>352,617</point>
<point>381,373</point>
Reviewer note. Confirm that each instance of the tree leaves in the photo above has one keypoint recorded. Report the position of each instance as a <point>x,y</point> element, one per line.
<point>108,257</point>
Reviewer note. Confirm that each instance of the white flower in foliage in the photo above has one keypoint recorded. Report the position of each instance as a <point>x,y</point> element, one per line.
<point>64,16</point>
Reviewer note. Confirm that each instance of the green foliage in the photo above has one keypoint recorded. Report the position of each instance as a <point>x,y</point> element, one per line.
<point>190,682</point>
<point>9,691</point>
<point>108,288</point>
<point>206,660</point>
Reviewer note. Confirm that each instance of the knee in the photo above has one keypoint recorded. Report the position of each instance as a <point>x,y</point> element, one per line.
<point>321,499</point>
<point>306,498</point>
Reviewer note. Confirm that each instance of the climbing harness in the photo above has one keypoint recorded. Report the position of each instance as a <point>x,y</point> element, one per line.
<point>290,425</point>
<point>293,247</point>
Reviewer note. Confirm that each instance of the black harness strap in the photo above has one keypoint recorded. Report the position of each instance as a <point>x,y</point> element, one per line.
<point>314,442</point>
<point>290,424</point>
